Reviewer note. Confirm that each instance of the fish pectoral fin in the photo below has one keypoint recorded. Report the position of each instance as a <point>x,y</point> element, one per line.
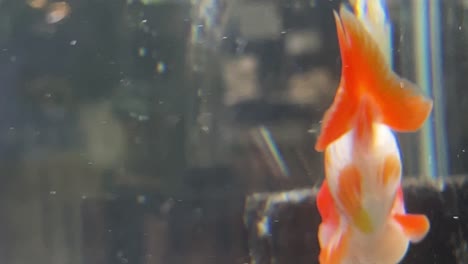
<point>325,204</point>
<point>329,214</point>
<point>335,251</point>
<point>415,226</point>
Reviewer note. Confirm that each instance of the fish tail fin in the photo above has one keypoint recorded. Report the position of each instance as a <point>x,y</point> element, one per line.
<point>366,75</point>
<point>337,119</point>
<point>402,106</point>
<point>400,103</point>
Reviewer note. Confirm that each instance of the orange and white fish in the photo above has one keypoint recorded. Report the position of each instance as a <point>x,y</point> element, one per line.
<point>361,200</point>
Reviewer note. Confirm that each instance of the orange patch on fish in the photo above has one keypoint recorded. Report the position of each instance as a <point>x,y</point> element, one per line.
<point>391,169</point>
<point>350,197</point>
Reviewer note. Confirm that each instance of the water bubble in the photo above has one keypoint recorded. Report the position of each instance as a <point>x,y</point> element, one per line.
<point>160,67</point>
<point>166,206</point>
<point>141,199</point>
<point>142,52</point>
<point>139,117</point>
<point>142,118</point>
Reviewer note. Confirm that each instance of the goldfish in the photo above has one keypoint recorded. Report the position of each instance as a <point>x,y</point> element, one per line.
<point>361,203</point>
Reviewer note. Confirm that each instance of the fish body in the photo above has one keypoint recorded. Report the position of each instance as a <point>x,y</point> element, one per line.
<point>361,200</point>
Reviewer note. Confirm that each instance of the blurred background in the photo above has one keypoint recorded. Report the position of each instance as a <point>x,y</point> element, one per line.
<point>131,131</point>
